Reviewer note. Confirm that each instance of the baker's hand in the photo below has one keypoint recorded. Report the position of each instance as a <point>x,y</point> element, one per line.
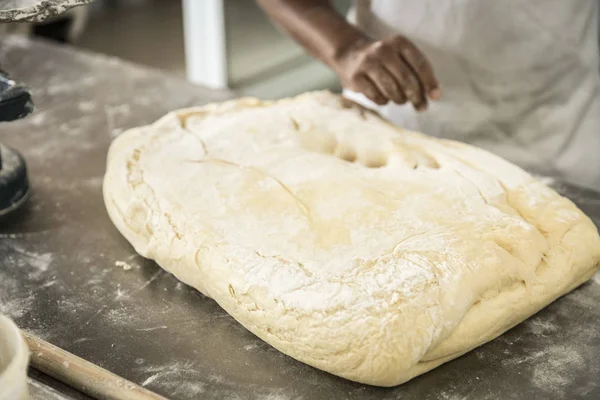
<point>391,69</point>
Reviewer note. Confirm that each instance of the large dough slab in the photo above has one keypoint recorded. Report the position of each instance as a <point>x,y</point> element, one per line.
<point>362,249</point>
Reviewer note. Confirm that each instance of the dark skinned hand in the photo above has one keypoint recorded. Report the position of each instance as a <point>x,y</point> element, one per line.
<point>392,69</point>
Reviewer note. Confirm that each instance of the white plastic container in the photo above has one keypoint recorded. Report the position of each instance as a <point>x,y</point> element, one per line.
<point>14,357</point>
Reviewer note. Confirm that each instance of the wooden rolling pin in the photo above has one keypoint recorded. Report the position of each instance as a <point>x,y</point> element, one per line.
<point>83,375</point>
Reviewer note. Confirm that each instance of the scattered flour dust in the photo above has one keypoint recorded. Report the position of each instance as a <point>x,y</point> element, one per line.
<point>560,365</point>
<point>178,378</point>
<point>541,327</point>
<point>38,390</point>
<point>85,106</point>
<point>39,262</point>
<point>31,263</point>
<point>446,396</point>
<point>250,347</point>
<point>16,308</point>
<point>554,368</point>
<point>123,265</point>
<point>184,378</point>
<point>276,395</point>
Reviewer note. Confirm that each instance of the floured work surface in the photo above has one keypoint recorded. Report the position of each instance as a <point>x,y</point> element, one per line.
<point>58,277</point>
<point>372,253</point>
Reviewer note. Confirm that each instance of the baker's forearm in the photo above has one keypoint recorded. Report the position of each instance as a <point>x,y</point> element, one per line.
<point>390,69</point>
<point>316,25</point>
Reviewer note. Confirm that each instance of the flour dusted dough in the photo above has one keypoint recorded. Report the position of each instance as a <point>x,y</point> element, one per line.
<point>359,248</point>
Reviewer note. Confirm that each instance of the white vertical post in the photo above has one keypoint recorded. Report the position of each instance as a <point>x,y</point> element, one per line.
<point>205,46</point>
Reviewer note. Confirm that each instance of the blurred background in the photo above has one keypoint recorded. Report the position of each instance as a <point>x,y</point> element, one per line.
<point>219,43</point>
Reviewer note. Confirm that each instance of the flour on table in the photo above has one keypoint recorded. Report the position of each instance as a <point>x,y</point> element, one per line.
<point>556,367</point>
<point>123,264</point>
<point>15,308</point>
<point>175,378</point>
<point>38,390</point>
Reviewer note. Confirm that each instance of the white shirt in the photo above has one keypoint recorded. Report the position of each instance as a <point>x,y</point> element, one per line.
<point>519,78</point>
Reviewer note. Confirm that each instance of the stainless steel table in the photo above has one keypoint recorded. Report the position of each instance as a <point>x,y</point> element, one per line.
<point>58,277</point>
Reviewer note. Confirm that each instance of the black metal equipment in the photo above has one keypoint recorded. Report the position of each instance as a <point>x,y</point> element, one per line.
<point>15,99</point>
<point>15,103</point>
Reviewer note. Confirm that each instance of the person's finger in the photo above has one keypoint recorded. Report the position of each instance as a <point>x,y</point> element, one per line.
<point>421,66</point>
<point>364,85</point>
<point>406,79</point>
<point>386,84</point>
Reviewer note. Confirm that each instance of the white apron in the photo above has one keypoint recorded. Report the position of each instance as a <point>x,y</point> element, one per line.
<point>520,78</point>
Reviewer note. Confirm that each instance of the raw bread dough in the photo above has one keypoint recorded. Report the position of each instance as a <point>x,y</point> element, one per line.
<point>359,248</point>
